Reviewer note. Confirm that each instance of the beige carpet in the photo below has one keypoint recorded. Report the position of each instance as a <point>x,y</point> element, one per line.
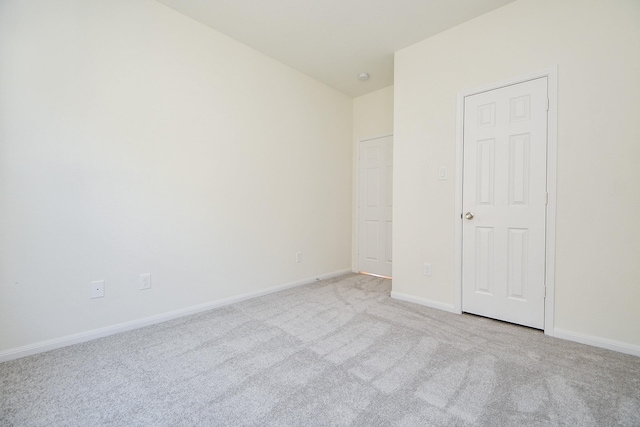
<point>336,352</point>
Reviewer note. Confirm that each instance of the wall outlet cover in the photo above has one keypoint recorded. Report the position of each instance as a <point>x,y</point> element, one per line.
<point>145,281</point>
<point>427,269</point>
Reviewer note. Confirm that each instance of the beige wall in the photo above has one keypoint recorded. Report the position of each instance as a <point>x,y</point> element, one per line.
<point>135,140</point>
<point>373,114</point>
<point>372,117</point>
<point>596,46</point>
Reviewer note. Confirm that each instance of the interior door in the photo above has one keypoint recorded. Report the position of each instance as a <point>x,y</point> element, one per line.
<point>504,203</point>
<point>375,175</point>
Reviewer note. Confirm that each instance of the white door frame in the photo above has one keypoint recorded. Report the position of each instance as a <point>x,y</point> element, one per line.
<point>357,195</point>
<point>552,162</point>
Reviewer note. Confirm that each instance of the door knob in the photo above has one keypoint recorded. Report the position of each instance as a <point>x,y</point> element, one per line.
<point>469,215</point>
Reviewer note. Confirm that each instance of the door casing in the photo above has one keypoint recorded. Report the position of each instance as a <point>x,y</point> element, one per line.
<point>552,152</point>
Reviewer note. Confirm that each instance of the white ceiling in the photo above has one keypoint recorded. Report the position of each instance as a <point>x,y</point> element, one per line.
<point>334,40</point>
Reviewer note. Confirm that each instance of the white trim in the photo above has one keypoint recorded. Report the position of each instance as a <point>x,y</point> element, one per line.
<point>552,174</point>
<point>356,264</point>
<point>370,138</point>
<point>608,344</point>
<point>457,304</point>
<point>552,162</point>
<point>423,301</point>
<point>374,275</point>
<point>68,340</point>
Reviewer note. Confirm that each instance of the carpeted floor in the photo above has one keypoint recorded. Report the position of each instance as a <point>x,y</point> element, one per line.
<point>336,352</point>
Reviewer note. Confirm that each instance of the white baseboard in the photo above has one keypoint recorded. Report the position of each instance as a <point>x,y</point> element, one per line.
<point>608,344</point>
<point>423,301</point>
<point>42,346</point>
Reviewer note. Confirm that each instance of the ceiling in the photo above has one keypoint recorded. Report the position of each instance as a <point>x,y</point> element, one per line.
<point>334,41</point>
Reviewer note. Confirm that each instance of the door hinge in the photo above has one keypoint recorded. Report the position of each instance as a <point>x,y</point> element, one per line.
<point>548,104</point>
<point>546,200</point>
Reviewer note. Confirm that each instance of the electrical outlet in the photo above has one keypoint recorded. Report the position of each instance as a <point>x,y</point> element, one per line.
<point>145,281</point>
<point>96,289</point>
<point>426,269</point>
<point>298,256</point>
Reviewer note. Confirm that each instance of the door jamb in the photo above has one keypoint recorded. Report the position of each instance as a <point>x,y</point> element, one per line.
<point>552,163</point>
<point>357,196</point>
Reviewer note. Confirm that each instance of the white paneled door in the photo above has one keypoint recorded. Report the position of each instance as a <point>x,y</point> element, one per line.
<point>504,203</point>
<point>375,174</point>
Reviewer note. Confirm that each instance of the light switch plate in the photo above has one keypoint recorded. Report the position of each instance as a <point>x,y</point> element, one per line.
<point>442,173</point>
